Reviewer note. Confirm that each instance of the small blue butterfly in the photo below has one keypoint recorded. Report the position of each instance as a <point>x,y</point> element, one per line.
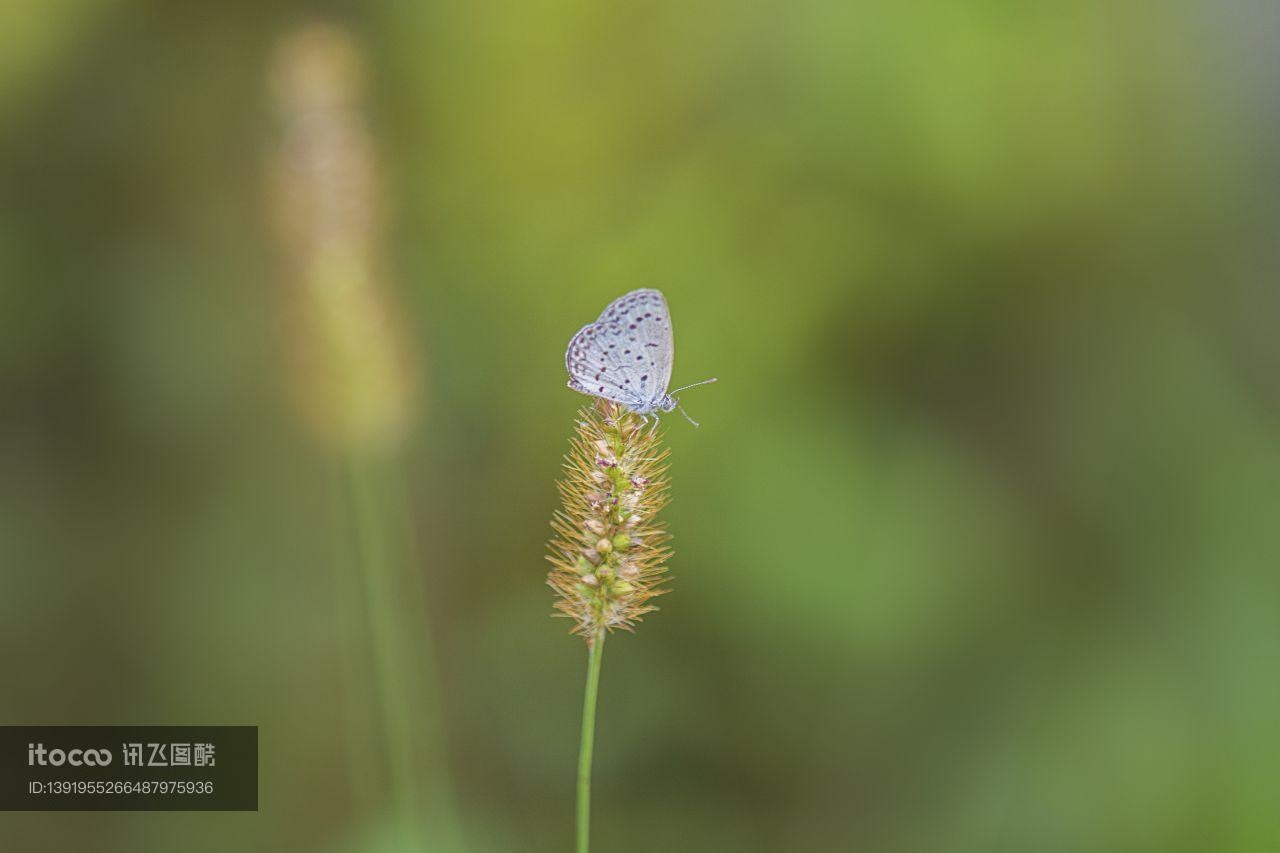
<point>626,355</point>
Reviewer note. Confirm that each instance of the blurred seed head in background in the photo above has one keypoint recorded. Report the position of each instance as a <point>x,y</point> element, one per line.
<point>354,383</point>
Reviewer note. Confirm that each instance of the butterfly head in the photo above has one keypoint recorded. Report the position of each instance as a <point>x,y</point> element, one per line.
<point>669,403</point>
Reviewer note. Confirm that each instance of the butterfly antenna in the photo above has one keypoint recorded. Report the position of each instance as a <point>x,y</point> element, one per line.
<point>686,414</point>
<point>695,385</point>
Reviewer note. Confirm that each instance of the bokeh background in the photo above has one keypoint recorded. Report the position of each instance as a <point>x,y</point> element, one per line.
<point>976,548</point>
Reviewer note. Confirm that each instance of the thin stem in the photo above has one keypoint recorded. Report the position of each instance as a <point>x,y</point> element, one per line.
<point>356,701</point>
<point>594,656</point>
<point>442,812</point>
<point>403,671</point>
<point>378,572</point>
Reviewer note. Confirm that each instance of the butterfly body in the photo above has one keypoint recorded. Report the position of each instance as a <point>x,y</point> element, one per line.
<point>626,355</point>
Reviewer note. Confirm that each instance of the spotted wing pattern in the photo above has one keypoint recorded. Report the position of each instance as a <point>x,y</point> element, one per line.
<point>626,355</point>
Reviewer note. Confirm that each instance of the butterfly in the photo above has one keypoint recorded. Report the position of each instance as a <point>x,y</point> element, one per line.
<point>625,356</point>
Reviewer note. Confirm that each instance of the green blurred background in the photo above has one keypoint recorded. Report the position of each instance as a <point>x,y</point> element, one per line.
<point>976,548</point>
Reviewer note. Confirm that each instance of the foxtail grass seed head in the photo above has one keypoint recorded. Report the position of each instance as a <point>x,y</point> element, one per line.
<point>352,371</point>
<point>608,555</point>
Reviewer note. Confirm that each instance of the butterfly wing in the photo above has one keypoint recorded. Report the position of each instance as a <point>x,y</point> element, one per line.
<point>640,329</point>
<point>626,355</point>
<point>592,367</point>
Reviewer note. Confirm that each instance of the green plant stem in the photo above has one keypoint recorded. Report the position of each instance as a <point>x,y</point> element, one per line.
<point>403,671</point>
<point>377,568</point>
<point>349,609</point>
<point>442,808</point>
<point>594,656</point>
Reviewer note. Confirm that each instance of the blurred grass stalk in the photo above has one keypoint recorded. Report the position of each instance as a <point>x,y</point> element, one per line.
<point>352,380</point>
